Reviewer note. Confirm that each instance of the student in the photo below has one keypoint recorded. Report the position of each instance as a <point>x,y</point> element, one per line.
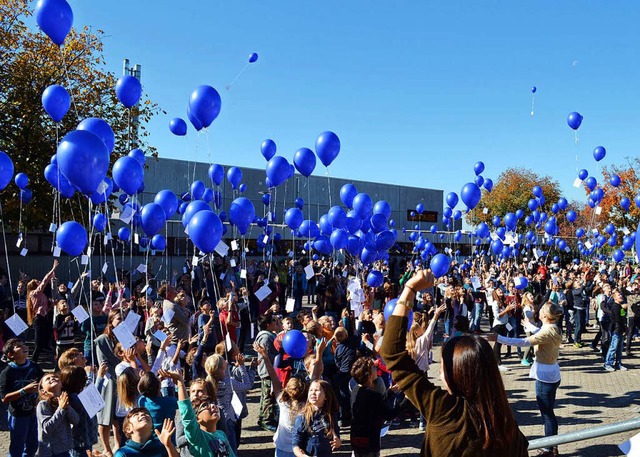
<point>18,388</point>
<point>267,417</point>
<point>97,323</point>
<point>159,407</point>
<point>56,417</point>
<point>200,427</point>
<point>316,431</point>
<point>345,357</point>
<point>142,441</point>
<point>64,328</point>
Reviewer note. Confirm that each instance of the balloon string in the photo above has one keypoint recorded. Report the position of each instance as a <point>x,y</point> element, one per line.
<point>309,213</point>
<point>68,79</point>
<point>237,76</point>
<point>329,186</point>
<point>533,100</point>
<point>6,255</point>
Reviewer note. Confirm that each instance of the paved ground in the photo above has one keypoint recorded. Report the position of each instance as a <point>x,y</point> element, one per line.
<point>588,396</point>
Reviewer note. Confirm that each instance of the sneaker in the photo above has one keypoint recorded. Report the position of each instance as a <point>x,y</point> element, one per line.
<point>622,368</point>
<point>578,345</point>
<point>525,362</point>
<point>267,427</point>
<point>503,368</point>
<point>421,427</point>
<point>593,348</point>
<point>609,367</point>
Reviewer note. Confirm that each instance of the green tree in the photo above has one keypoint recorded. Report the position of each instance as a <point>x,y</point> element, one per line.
<point>29,63</point>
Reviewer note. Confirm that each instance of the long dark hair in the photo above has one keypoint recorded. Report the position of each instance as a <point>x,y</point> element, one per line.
<point>471,372</point>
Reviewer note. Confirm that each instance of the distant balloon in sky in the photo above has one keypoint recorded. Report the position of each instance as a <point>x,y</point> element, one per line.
<point>253,57</point>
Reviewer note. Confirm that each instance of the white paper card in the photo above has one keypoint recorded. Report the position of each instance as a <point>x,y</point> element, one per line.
<point>102,187</point>
<point>567,249</point>
<point>291,303</point>
<point>195,260</point>
<point>24,252</point>
<point>16,324</point>
<point>222,276</point>
<point>509,327</point>
<point>309,271</point>
<point>228,343</point>
<point>142,268</point>
<point>105,267</point>
<point>53,227</point>
<point>588,244</point>
<point>80,314</point>
<point>167,316</point>
<point>475,282</point>
<point>631,447</point>
<point>625,230</point>
<point>263,292</point>
<point>598,210</point>
<point>369,345</point>
<point>232,262</point>
<point>577,183</point>
<point>57,251</point>
<point>160,335</point>
<point>237,404</point>
<point>19,242</point>
<point>91,400</point>
<point>222,248</point>
<point>124,335</point>
<point>136,238</point>
<point>84,260</point>
<point>265,240</point>
<point>127,215</point>
<point>485,211</point>
<point>234,245</point>
<point>69,285</point>
<point>243,274</point>
<point>132,321</point>
<point>384,431</point>
<point>345,273</point>
<point>246,250</point>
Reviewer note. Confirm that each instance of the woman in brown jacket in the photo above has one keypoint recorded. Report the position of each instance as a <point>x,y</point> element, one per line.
<point>470,415</point>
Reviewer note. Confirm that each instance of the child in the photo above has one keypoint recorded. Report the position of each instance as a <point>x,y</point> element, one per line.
<point>19,387</point>
<point>316,429</point>
<point>229,318</point>
<point>160,408</point>
<point>206,319</point>
<point>127,396</point>
<point>56,417</point>
<point>200,427</point>
<point>369,410</point>
<point>153,324</point>
<point>345,357</point>
<point>64,328</point>
<point>99,320</point>
<point>85,431</point>
<point>141,441</point>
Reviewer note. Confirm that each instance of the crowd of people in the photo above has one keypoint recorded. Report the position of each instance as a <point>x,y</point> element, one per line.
<point>181,388</point>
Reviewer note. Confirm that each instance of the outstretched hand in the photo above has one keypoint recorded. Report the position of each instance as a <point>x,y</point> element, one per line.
<point>422,279</point>
<point>168,428</point>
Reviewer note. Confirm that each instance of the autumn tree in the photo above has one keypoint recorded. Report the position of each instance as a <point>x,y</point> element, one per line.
<point>629,187</point>
<point>29,63</point>
<point>511,192</point>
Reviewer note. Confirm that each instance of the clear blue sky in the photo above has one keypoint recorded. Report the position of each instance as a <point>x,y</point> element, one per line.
<point>417,91</point>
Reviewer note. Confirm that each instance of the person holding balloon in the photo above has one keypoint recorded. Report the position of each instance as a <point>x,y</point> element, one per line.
<point>471,414</point>
<point>268,325</point>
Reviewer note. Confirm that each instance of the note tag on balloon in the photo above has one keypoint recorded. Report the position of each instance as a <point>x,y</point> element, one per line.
<point>102,187</point>
<point>222,249</point>
<point>195,260</point>
<point>485,211</point>
<point>577,183</point>
<point>127,215</point>
<point>142,268</point>
<point>108,237</point>
<point>115,215</point>
<point>234,245</point>
<point>598,210</point>
<point>237,405</point>
<point>24,252</point>
<point>265,240</point>
<point>588,244</point>
<point>509,327</point>
<point>136,238</point>
<point>84,260</point>
<point>269,216</point>
<point>56,251</point>
<point>291,303</point>
<point>243,274</point>
<point>246,250</point>
<point>89,251</point>
<point>19,242</point>
<point>625,230</point>
<point>232,262</point>
<point>222,276</point>
<point>104,267</point>
<point>309,271</point>
<point>53,227</point>
<point>567,249</point>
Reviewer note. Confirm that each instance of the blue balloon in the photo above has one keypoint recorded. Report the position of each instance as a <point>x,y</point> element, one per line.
<point>96,197</point>
<point>327,147</point>
<point>533,89</point>
<point>447,213</point>
<point>179,128</point>
<point>305,161</point>
<point>337,217</point>
<point>510,221</point>
<point>572,216</point>
<point>293,218</point>
<point>388,311</point>
<point>347,194</point>
<point>158,243</point>
<point>375,278</point>
<point>266,199</point>
<point>21,180</point>
<point>353,223</point>
<point>385,240</point>
<point>6,170</point>
<point>322,245</point>
<point>574,120</point>
<point>591,183</point>
<point>440,265</point>
<point>583,174</point>
<point>83,158</point>
<point>362,205</point>
<point>309,229</point>
<point>383,207</point>
<point>625,203</point>
<point>194,121</point>
<point>205,104</point>
<point>124,234</point>
<point>479,180</point>
<point>205,230</point>
<point>562,203</point>
<point>72,238</point>
<point>241,214</point>
<point>299,202</point>
<point>580,233</point>
<point>478,168</point>
<point>128,90</point>
<point>138,154</point>
<point>268,149</point>
<point>599,152</point>
<point>537,191</point>
<point>295,344</point>
<point>369,254</point>
<point>253,57</point>
<point>99,222</point>
<point>55,18</point>
<point>378,223</point>
<point>496,246</point>
<point>457,214</point>
<point>101,129</point>
<point>168,201</point>
<point>153,218</point>
<point>277,170</point>
<point>216,174</point>
<point>419,208</point>
<point>234,175</point>
<point>193,208</point>
<point>452,199</point>
<point>128,174</point>
<point>339,239</point>
<point>618,255</point>
<point>488,185</point>
<point>470,195</point>
<point>197,189</point>
<point>56,102</point>
<point>614,180</point>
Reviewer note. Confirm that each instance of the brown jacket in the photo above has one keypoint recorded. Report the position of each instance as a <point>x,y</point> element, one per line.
<point>451,431</point>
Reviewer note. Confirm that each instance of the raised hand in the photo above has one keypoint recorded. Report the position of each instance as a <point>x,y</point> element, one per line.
<point>168,428</point>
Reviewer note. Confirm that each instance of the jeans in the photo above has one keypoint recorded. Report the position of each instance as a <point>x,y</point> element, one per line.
<point>579,315</point>
<point>500,329</point>
<point>614,354</point>
<point>478,308</point>
<point>281,453</point>
<point>23,436</point>
<point>513,333</point>
<point>448,324</point>
<point>232,435</point>
<point>546,398</point>
<point>40,327</point>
